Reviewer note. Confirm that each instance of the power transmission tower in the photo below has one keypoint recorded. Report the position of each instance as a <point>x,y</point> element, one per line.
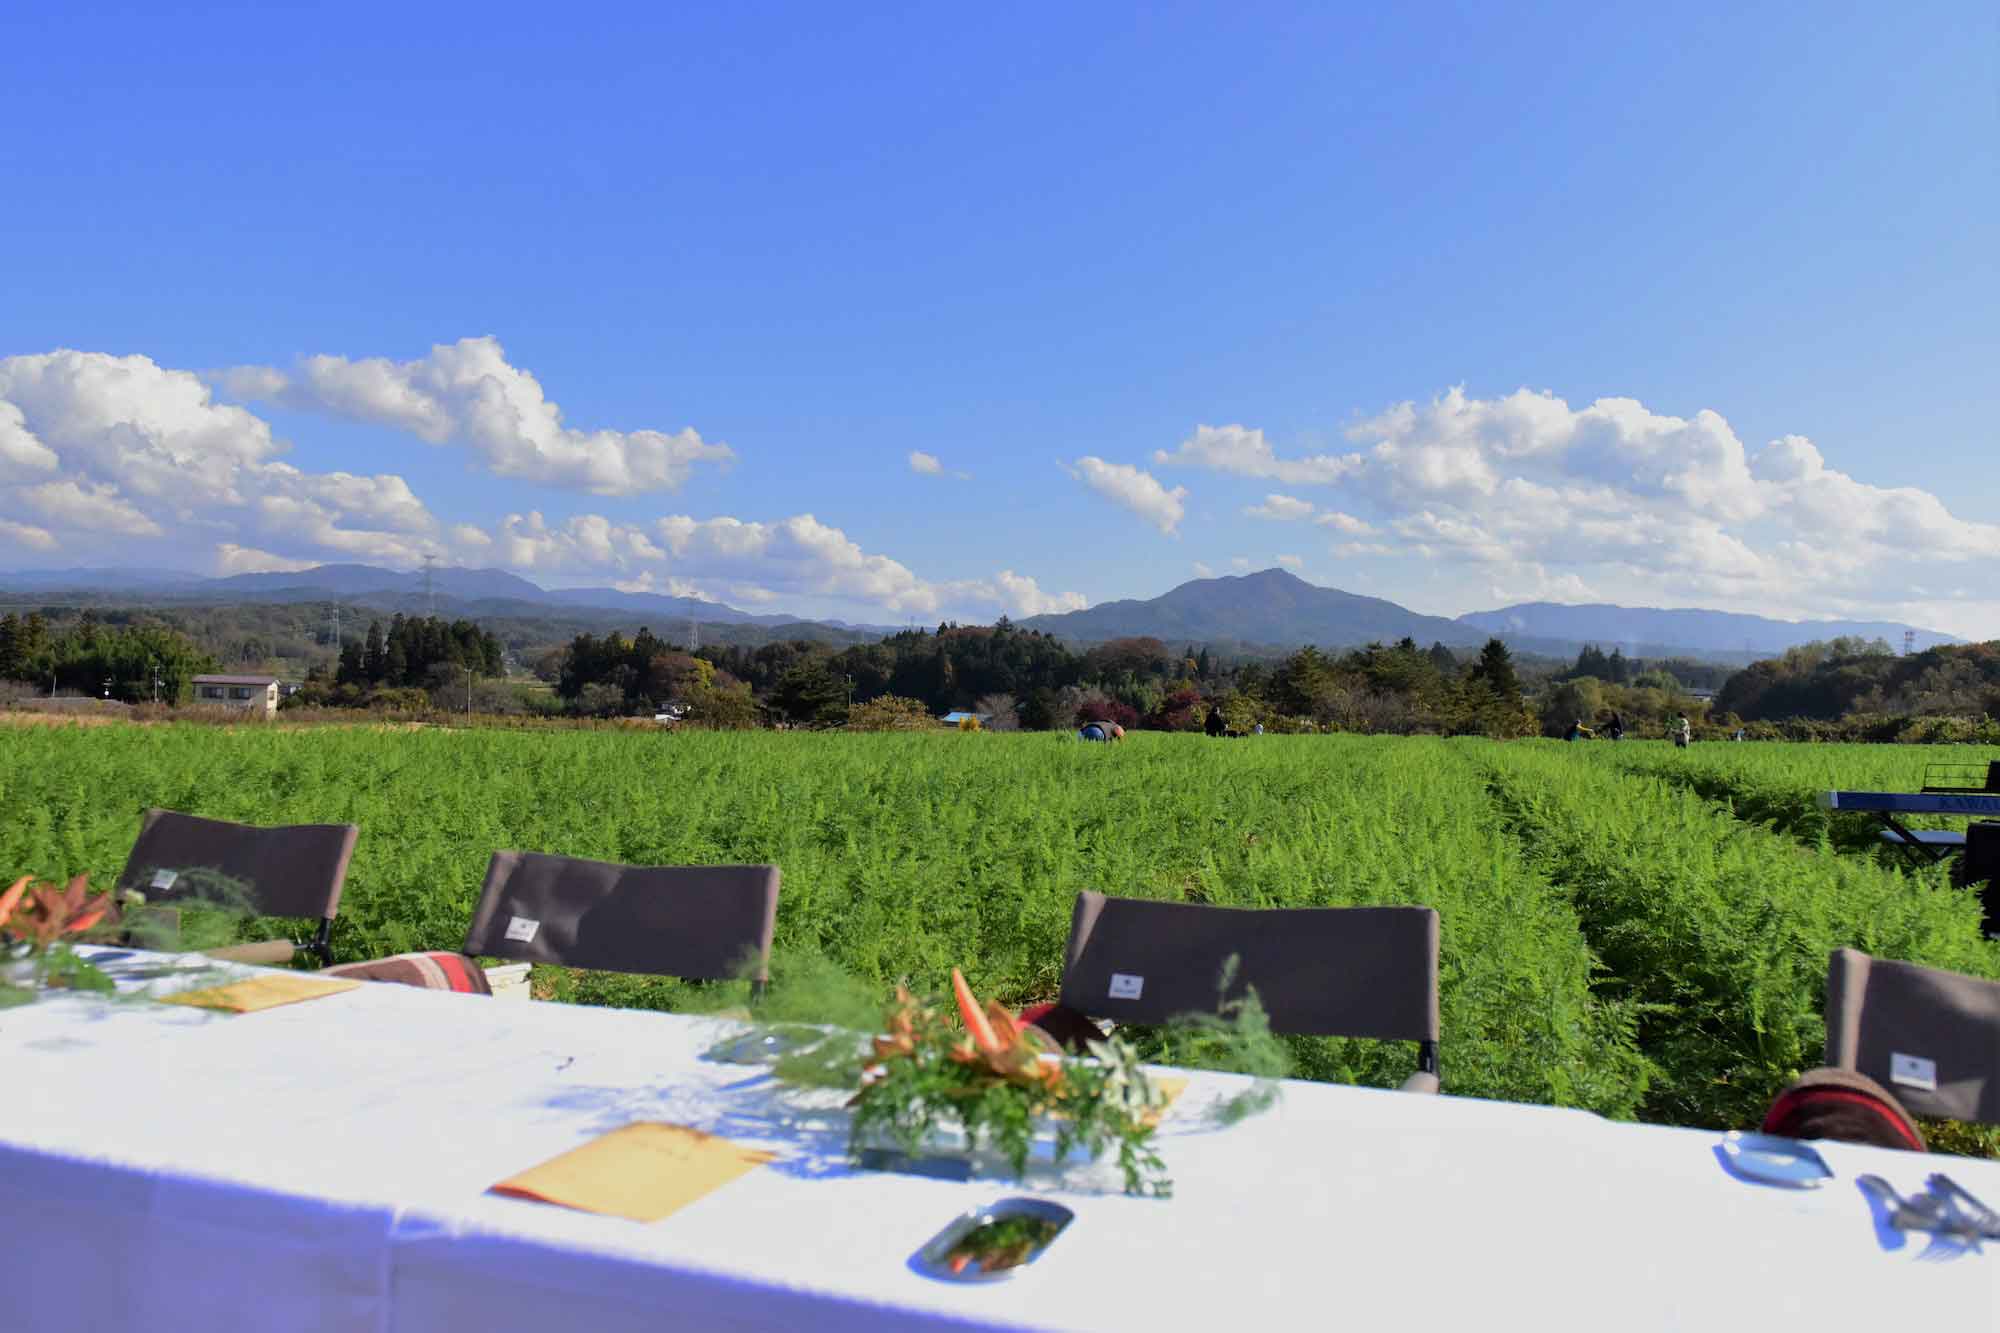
<point>430,593</point>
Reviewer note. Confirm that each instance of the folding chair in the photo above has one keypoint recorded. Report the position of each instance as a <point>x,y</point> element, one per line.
<point>703,922</point>
<point>1929,1036</point>
<point>1327,971</point>
<point>296,870</point>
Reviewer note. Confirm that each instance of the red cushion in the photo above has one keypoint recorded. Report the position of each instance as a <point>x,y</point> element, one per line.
<point>440,970</point>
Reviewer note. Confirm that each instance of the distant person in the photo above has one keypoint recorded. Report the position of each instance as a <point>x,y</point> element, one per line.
<point>1577,731</point>
<point>1258,729</point>
<point>1682,731</point>
<point>1615,728</point>
<point>1739,734</point>
<point>1214,724</point>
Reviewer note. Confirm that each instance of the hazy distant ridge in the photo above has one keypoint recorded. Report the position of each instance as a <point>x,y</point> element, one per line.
<point>1273,608</point>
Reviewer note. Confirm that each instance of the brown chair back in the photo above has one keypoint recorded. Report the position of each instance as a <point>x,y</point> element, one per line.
<point>677,921</point>
<point>1346,971</point>
<point>292,870</point>
<point>1906,1026</point>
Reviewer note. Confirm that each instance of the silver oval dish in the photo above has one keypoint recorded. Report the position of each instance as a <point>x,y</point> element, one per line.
<point>1771,1160</point>
<point>941,1256</point>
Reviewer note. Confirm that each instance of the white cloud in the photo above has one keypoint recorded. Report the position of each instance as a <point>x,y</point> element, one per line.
<point>1134,489</point>
<point>27,534</point>
<point>1020,595</point>
<point>1247,453</point>
<point>1202,571</point>
<point>1281,509</point>
<point>233,559</point>
<point>21,454</point>
<point>90,507</point>
<point>1292,561</point>
<point>142,451</point>
<point>1239,562</point>
<point>1623,502</point>
<point>1340,522</point>
<point>467,392</point>
<point>927,464</point>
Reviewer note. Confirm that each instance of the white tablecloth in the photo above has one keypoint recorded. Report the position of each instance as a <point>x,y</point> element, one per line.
<point>323,1166</point>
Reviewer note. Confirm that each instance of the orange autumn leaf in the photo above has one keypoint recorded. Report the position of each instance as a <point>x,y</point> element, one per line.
<point>12,898</point>
<point>968,1009</point>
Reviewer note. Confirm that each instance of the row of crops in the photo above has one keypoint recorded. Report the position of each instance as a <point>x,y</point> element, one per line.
<point>1618,934</point>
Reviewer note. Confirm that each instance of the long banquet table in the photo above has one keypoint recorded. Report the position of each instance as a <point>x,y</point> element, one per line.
<point>324,1166</point>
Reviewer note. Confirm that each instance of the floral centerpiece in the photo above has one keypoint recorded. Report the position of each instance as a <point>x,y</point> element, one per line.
<point>38,922</point>
<point>1002,1083</point>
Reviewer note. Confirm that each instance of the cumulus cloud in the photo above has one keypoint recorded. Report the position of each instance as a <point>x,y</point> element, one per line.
<point>928,465</point>
<point>1020,595</point>
<point>1616,500</point>
<point>1247,453</point>
<point>1202,571</point>
<point>1280,509</point>
<point>745,561</point>
<point>233,559</point>
<point>137,450</point>
<point>91,507</point>
<point>1134,489</point>
<point>1292,561</point>
<point>467,393</point>
<point>28,535</point>
<point>100,452</point>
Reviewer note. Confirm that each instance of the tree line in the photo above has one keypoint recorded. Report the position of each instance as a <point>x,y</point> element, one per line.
<point>1016,678</point>
<point>130,663</point>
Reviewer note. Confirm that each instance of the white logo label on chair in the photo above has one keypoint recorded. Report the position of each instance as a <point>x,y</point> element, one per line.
<point>164,879</point>
<point>1913,1071</point>
<point>522,929</point>
<point>1125,986</point>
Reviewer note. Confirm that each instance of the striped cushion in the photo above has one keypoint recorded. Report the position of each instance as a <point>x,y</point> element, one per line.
<point>442,970</point>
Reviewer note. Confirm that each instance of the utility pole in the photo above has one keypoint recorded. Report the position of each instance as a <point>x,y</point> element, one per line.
<point>468,696</point>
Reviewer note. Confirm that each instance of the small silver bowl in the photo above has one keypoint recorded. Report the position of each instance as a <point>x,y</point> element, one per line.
<point>952,1254</point>
<point>1771,1160</point>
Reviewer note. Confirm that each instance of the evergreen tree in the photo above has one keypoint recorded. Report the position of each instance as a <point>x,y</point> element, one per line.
<point>372,666</point>
<point>353,668</point>
<point>1590,662</point>
<point>1495,669</point>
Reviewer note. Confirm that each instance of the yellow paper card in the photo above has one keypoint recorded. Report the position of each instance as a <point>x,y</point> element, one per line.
<point>265,991</point>
<point>1171,1086</point>
<point>643,1171</point>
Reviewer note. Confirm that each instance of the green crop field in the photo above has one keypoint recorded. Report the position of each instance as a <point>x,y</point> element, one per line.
<point>1627,928</point>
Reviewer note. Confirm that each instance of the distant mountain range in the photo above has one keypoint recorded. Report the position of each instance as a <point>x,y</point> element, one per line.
<point>1280,609</point>
<point>1273,609</point>
<point>471,593</point>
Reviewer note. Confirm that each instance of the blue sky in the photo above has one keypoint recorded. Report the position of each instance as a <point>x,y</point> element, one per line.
<point>1457,305</point>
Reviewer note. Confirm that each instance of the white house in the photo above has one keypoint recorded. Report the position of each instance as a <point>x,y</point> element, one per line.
<point>257,692</point>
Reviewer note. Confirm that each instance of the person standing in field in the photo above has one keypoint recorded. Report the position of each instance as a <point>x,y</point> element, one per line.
<point>1615,728</point>
<point>1214,724</point>
<point>1682,731</point>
